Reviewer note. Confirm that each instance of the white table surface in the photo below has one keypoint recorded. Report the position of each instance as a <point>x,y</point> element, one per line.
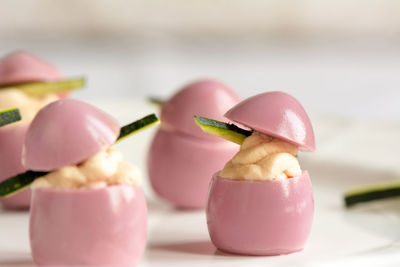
<point>349,153</point>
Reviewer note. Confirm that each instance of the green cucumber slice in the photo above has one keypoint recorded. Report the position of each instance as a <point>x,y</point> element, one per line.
<point>225,130</point>
<point>9,116</point>
<point>138,126</point>
<point>372,192</point>
<point>43,88</point>
<point>14,184</point>
<point>156,101</point>
<point>17,183</point>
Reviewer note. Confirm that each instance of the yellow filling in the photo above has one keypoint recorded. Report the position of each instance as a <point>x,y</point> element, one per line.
<point>263,158</point>
<point>29,106</point>
<point>103,169</point>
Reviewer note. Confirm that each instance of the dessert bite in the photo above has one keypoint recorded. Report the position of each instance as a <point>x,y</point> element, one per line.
<point>29,83</point>
<point>261,202</point>
<point>182,158</point>
<point>87,204</point>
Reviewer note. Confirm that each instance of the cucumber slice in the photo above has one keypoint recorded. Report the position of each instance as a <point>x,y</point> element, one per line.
<point>138,126</point>
<point>227,131</point>
<point>17,183</point>
<point>14,184</point>
<point>9,116</point>
<point>156,101</point>
<point>43,88</point>
<point>372,192</point>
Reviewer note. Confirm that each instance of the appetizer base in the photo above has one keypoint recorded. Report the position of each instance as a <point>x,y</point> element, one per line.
<point>100,227</point>
<point>260,217</point>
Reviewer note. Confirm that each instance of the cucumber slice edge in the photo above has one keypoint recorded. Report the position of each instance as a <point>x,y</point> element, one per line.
<point>228,131</point>
<point>8,116</point>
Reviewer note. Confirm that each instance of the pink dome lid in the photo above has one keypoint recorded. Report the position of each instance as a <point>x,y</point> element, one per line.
<point>277,114</point>
<point>21,67</point>
<point>208,98</point>
<point>67,132</point>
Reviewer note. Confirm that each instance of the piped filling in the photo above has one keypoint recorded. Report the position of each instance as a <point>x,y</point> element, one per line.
<point>104,169</point>
<point>262,157</point>
<point>29,106</point>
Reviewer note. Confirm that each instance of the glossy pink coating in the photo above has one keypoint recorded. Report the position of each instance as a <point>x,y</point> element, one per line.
<point>11,141</point>
<point>67,132</point>
<point>180,167</point>
<point>15,68</point>
<point>277,114</point>
<point>21,67</point>
<point>100,227</point>
<point>260,217</point>
<point>207,98</point>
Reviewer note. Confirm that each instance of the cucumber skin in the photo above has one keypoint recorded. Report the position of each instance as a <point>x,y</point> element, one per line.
<point>9,116</point>
<point>351,199</point>
<point>47,87</point>
<point>137,126</point>
<point>227,131</point>
<point>12,185</point>
<point>156,101</point>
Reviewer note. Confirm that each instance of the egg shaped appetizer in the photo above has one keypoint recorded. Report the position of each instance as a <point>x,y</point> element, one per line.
<point>87,206</point>
<point>18,68</point>
<point>22,67</point>
<point>261,202</point>
<point>182,158</point>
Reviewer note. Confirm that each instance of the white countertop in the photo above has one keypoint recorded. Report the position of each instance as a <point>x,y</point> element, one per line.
<point>349,153</point>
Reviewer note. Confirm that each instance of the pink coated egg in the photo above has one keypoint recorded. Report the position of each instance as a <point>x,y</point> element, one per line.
<point>16,68</point>
<point>11,141</point>
<point>67,132</point>
<point>21,67</point>
<point>260,217</point>
<point>101,227</point>
<point>207,98</point>
<point>180,168</point>
<point>182,158</point>
<point>277,114</point>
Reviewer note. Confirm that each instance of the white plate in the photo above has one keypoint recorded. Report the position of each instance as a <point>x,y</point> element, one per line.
<point>367,235</point>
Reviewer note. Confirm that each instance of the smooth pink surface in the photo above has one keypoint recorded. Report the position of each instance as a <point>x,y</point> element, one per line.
<point>260,217</point>
<point>67,132</point>
<point>15,68</point>
<point>11,141</point>
<point>276,114</point>
<point>180,168</point>
<point>20,67</point>
<point>207,98</point>
<point>101,227</point>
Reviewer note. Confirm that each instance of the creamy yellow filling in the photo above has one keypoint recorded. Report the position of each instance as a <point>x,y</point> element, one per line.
<point>103,169</point>
<point>29,106</point>
<point>263,158</point>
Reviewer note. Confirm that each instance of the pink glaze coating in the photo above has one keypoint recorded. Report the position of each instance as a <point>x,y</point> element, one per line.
<point>276,114</point>
<point>260,217</point>
<point>21,67</point>
<point>11,141</point>
<point>67,132</point>
<point>182,157</point>
<point>207,98</point>
<point>15,68</point>
<point>180,167</point>
<point>101,227</point>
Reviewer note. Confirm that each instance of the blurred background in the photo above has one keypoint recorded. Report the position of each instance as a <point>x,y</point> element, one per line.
<point>338,57</point>
<point>341,59</point>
